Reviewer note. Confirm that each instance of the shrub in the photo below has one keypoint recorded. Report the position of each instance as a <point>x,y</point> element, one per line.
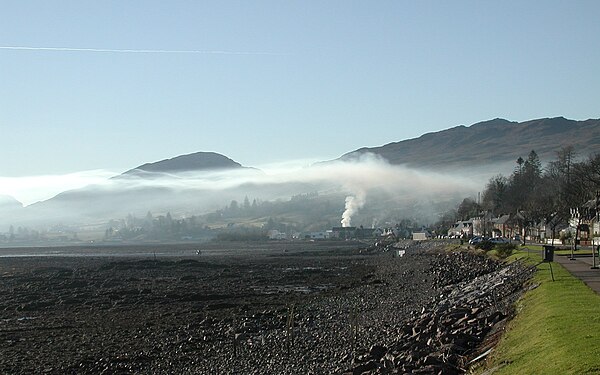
<point>485,245</point>
<point>505,249</point>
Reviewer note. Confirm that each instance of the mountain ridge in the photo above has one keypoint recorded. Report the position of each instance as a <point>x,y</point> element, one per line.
<point>477,151</point>
<point>491,141</point>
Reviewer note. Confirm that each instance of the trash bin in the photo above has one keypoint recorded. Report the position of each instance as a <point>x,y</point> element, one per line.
<point>548,253</point>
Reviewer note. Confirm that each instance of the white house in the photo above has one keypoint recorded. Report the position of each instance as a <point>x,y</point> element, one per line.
<point>274,234</point>
<point>462,228</point>
<point>421,235</point>
<point>319,235</point>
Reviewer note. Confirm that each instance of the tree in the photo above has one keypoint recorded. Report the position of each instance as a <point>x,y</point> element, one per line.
<point>494,195</point>
<point>523,183</point>
<point>590,170</point>
<point>520,162</point>
<point>531,203</point>
<point>446,220</point>
<point>559,177</point>
<point>532,167</point>
<point>562,166</point>
<point>467,208</point>
<point>148,222</point>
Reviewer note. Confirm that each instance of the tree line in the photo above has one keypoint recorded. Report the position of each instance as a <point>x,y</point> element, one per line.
<point>565,188</point>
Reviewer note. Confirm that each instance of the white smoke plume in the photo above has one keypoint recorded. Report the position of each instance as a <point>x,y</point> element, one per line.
<point>353,204</point>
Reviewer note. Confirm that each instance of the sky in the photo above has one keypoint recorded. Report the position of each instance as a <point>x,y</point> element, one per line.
<point>110,85</point>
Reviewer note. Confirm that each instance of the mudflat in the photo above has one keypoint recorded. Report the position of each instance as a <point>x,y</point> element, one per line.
<point>257,308</point>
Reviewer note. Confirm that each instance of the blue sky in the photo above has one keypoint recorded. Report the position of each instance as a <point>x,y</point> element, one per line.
<point>300,79</point>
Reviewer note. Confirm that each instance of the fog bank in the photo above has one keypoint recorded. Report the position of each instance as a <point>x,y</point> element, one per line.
<point>94,196</point>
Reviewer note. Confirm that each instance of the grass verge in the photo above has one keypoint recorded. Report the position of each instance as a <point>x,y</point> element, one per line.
<point>556,329</point>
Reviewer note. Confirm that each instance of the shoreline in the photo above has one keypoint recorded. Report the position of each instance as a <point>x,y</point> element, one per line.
<point>231,313</point>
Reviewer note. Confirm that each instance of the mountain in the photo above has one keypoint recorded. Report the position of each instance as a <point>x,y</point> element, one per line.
<point>10,208</point>
<point>9,203</point>
<point>490,142</point>
<point>199,161</point>
<point>477,151</point>
<point>159,186</point>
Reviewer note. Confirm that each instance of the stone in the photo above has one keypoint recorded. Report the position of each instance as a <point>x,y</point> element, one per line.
<point>377,351</point>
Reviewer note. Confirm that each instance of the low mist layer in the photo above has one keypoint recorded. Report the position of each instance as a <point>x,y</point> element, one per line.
<point>362,186</point>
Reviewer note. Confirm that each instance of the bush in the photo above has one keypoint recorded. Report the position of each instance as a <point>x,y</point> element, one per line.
<point>505,249</point>
<point>485,245</point>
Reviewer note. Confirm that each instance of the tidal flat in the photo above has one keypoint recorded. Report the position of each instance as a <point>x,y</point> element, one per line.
<point>250,308</point>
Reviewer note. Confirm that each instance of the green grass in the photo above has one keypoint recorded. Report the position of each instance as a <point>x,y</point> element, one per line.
<point>556,329</point>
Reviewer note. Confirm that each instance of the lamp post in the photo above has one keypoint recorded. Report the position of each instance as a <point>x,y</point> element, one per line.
<point>594,265</point>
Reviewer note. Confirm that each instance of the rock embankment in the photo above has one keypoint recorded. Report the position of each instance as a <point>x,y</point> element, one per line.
<point>444,336</point>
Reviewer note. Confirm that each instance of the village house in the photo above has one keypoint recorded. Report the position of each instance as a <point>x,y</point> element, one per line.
<point>343,233</point>
<point>501,226</point>
<point>462,229</point>
<point>319,235</point>
<point>551,232</point>
<point>274,234</point>
<point>421,235</point>
<point>391,232</point>
<point>486,225</point>
<point>584,222</point>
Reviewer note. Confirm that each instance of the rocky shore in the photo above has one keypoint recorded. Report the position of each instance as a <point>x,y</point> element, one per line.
<point>293,309</point>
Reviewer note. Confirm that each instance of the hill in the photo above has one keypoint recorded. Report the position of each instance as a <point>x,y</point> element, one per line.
<point>198,161</point>
<point>496,141</point>
<point>9,203</point>
<point>158,186</point>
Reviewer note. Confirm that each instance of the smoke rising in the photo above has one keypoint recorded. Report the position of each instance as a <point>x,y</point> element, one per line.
<point>353,204</point>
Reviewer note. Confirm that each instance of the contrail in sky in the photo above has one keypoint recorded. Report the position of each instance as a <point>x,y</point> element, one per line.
<point>107,50</point>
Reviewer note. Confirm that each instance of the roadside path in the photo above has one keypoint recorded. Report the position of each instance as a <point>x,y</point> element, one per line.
<point>580,267</point>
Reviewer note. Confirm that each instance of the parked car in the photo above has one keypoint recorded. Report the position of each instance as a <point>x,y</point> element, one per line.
<point>499,240</point>
<point>475,240</point>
